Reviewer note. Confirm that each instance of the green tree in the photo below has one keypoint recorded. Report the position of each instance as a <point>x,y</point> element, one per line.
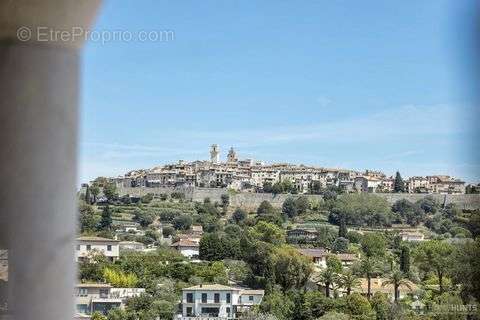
<point>87,218</point>
<point>396,279</point>
<point>342,229</point>
<point>278,304</point>
<point>316,187</point>
<point>368,267</point>
<point>466,268</point>
<point>265,208</point>
<point>381,304</point>
<point>239,215</point>
<point>212,247</point>
<point>117,314</point>
<point>302,204</point>
<point>182,222</point>
<point>145,218</point>
<point>357,306</point>
<point>87,194</point>
<point>106,219</point>
<point>147,198</point>
<point>340,245</point>
<point>98,316</point>
<point>398,184</point>
<point>119,278</point>
<point>289,207</point>
<point>94,190</point>
<point>348,280</point>
<point>225,202</point>
<point>163,310</point>
<point>330,276</point>
<point>409,212</point>
<point>373,244</point>
<point>292,270</point>
<point>428,204</point>
<point>110,191</point>
<point>268,232</point>
<point>405,259</point>
<point>326,235</point>
<point>435,256</point>
<point>315,305</point>
<point>361,209</point>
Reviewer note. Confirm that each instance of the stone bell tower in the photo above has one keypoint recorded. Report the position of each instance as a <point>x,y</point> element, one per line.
<point>215,153</point>
<point>232,156</point>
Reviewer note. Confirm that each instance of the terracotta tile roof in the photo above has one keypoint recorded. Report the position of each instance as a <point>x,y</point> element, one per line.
<point>252,292</point>
<point>93,285</point>
<point>185,243</point>
<point>96,239</point>
<point>314,253</point>
<point>211,287</point>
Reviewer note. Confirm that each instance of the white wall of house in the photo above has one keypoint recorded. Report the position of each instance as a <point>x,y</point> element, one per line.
<point>189,251</point>
<point>85,248</point>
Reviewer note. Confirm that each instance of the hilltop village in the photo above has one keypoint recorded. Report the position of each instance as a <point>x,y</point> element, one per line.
<point>338,254</point>
<point>255,176</point>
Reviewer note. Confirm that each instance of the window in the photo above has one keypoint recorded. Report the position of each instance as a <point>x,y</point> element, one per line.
<point>228,298</point>
<point>109,247</point>
<point>228,311</point>
<point>89,247</point>
<point>250,298</point>
<point>82,308</point>
<point>189,309</point>
<point>82,292</point>
<point>189,297</point>
<point>216,298</point>
<point>204,298</point>
<point>103,293</point>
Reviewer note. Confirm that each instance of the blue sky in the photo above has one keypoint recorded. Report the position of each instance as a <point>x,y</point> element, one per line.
<point>351,84</point>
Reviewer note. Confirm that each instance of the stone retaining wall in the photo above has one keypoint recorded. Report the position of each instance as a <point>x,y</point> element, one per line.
<point>250,201</point>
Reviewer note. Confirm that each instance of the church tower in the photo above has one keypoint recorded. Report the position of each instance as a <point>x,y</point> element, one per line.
<point>215,153</point>
<point>232,156</point>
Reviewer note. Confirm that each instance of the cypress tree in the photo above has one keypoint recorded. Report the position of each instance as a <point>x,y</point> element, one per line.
<point>405,260</point>
<point>87,194</point>
<point>398,185</point>
<point>342,229</point>
<point>106,220</point>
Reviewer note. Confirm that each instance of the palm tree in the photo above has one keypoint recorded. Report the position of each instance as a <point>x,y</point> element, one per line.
<point>397,279</point>
<point>348,281</point>
<point>328,278</point>
<point>368,267</point>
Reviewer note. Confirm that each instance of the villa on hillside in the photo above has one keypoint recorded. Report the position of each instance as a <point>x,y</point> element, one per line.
<point>101,297</point>
<point>187,247</point>
<point>319,257</point>
<point>131,245</point>
<point>302,233</point>
<point>88,246</point>
<point>216,301</point>
<point>412,236</point>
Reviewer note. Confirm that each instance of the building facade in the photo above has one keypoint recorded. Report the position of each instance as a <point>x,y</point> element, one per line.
<point>253,175</point>
<point>217,301</point>
<point>86,247</point>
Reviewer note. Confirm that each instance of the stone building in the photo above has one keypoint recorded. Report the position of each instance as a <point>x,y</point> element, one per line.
<point>251,175</point>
